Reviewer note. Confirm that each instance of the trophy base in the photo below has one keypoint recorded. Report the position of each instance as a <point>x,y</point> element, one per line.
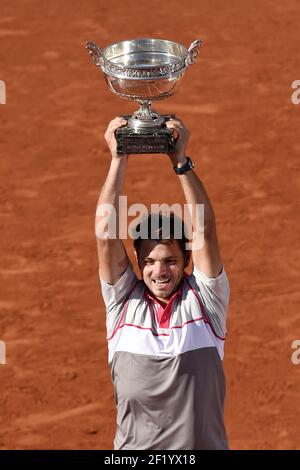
<point>145,139</point>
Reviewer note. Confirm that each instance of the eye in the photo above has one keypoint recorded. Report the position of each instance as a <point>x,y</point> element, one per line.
<point>148,262</point>
<point>171,261</point>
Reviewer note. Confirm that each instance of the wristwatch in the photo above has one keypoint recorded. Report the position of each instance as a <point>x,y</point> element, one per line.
<point>189,165</point>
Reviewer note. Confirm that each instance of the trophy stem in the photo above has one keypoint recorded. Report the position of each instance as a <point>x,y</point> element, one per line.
<point>145,117</point>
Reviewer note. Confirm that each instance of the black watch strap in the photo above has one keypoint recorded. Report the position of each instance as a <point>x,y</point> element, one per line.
<point>189,165</point>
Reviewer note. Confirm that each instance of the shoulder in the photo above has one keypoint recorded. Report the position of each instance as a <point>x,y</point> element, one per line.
<point>218,284</point>
<point>118,293</point>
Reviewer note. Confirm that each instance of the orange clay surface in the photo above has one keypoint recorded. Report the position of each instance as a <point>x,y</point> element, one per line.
<point>236,100</point>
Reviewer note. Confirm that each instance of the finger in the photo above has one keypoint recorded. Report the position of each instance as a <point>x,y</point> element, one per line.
<point>118,118</point>
<point>175,119</point>
<point>175,125</point>
<point>178,129</point>
<point>118,124</point>
<point>115,124</point>
<point>117,121</point>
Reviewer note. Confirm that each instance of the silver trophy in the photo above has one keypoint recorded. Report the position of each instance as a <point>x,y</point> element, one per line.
<point>144,70</point>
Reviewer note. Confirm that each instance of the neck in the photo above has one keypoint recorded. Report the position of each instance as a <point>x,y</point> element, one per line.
<point>163,302</point>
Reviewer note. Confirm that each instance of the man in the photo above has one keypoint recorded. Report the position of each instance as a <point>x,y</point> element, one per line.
<point>165,332</point>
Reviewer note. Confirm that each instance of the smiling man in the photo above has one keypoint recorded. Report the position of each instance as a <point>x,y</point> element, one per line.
<point>166,331</point>
<point>163,258</point>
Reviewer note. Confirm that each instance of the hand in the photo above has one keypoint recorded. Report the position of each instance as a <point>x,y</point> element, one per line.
<point>182,136</point>
<point>111,138</point>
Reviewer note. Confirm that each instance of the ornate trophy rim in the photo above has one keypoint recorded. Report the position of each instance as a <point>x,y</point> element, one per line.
<point>144,70</point>
<point>102,58</point>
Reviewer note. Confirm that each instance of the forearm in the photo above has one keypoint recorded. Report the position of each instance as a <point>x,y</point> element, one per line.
<point>195,194</point>
<point>205,249</point>
<point>193,189</point>
<point>114,183</point>
<point>107,214</point>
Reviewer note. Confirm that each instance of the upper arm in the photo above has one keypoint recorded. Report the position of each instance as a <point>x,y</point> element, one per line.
<point>206,253</point>
<point>214,294</point>
<point>112,256</point>
<point>115,297</point>
<point>113,260</point>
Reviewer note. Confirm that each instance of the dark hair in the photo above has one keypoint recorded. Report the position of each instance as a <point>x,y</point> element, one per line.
<point>165,228</point>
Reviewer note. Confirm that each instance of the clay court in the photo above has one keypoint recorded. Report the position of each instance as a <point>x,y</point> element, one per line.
<point>236,100</point>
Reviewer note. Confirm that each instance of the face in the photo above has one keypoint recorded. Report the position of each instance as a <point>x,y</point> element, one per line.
<point>162,267</point>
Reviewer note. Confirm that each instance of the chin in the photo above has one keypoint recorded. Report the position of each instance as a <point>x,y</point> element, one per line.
<point>164,294</point>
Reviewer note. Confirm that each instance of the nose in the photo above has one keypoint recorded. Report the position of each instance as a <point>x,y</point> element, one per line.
<point>160,269</point>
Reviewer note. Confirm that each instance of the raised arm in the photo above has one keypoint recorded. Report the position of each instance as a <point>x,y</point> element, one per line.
<point>112,255</point>
<point>207,259</point>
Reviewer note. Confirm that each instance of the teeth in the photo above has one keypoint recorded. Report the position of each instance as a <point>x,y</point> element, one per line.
<point>161,282</point>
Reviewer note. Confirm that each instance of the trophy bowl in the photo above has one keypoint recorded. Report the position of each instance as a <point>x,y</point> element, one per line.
<point>144,70</point>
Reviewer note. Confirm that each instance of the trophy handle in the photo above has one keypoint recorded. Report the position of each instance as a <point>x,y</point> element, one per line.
<point>95,53</point>
<point>193,52</point>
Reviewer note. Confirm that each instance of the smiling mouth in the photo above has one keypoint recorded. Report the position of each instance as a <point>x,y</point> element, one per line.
<point>161,282</point>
